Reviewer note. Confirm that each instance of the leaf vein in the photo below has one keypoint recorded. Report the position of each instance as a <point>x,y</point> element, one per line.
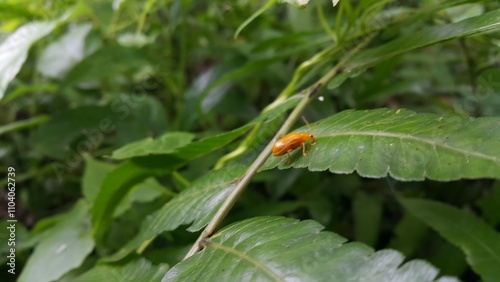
<point>416,138</point>
<point>248,259</point>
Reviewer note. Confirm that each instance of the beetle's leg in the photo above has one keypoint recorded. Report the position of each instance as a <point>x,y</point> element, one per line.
<point>286,159</point>
<point>304,149</point>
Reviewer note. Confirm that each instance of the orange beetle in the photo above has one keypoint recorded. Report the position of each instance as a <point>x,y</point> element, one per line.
<point>291,142</point>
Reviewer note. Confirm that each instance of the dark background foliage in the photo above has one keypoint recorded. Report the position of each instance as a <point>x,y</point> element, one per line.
<point>106,77</point>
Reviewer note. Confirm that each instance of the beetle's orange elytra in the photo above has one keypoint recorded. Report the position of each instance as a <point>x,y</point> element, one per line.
<point>293,141</point>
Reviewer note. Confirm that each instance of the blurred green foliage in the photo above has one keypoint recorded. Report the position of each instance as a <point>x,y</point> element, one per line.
<point>113,112</point>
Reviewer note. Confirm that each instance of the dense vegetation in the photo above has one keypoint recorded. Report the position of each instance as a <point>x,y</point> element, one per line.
<point>136,132</point>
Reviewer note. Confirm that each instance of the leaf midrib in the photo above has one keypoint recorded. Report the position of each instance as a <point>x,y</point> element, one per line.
<point>248,259</point>
<point>414,138</point>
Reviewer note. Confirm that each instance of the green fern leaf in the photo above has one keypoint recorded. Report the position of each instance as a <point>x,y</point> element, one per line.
<point>403,144</point>
<point>285,249</point>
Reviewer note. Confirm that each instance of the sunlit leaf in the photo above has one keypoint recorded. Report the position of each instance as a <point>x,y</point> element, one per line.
<point>62,248</point>
<point>14,49</point>
<point>403,144</point>
<point>479,241</point>
<point>296,3</point>
<point>284,249</point>
<point>64,53</point>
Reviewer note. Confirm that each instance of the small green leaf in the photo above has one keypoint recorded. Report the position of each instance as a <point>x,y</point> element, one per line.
<point>14,49</point>
<point>165,144</point>
<point>95,172</point>
<point>146,191</point>
<point>465,11</point>
<point>64,53</point>
<point>209,144</point>
<point>139,270</point>
<point>269,4</point>
<point>403,144</point>
<point>285,249</point>
<point>197,205</point>
<point>479,241</point>
<point>179,144</point>
<point>63,247</point>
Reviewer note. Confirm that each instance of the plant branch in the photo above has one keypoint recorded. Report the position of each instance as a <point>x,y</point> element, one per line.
<point>231,199</point>
<point>309,94</point>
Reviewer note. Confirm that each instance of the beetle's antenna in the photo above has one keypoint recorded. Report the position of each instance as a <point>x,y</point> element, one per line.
<point>309,126</point>
<point>305,120</point>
